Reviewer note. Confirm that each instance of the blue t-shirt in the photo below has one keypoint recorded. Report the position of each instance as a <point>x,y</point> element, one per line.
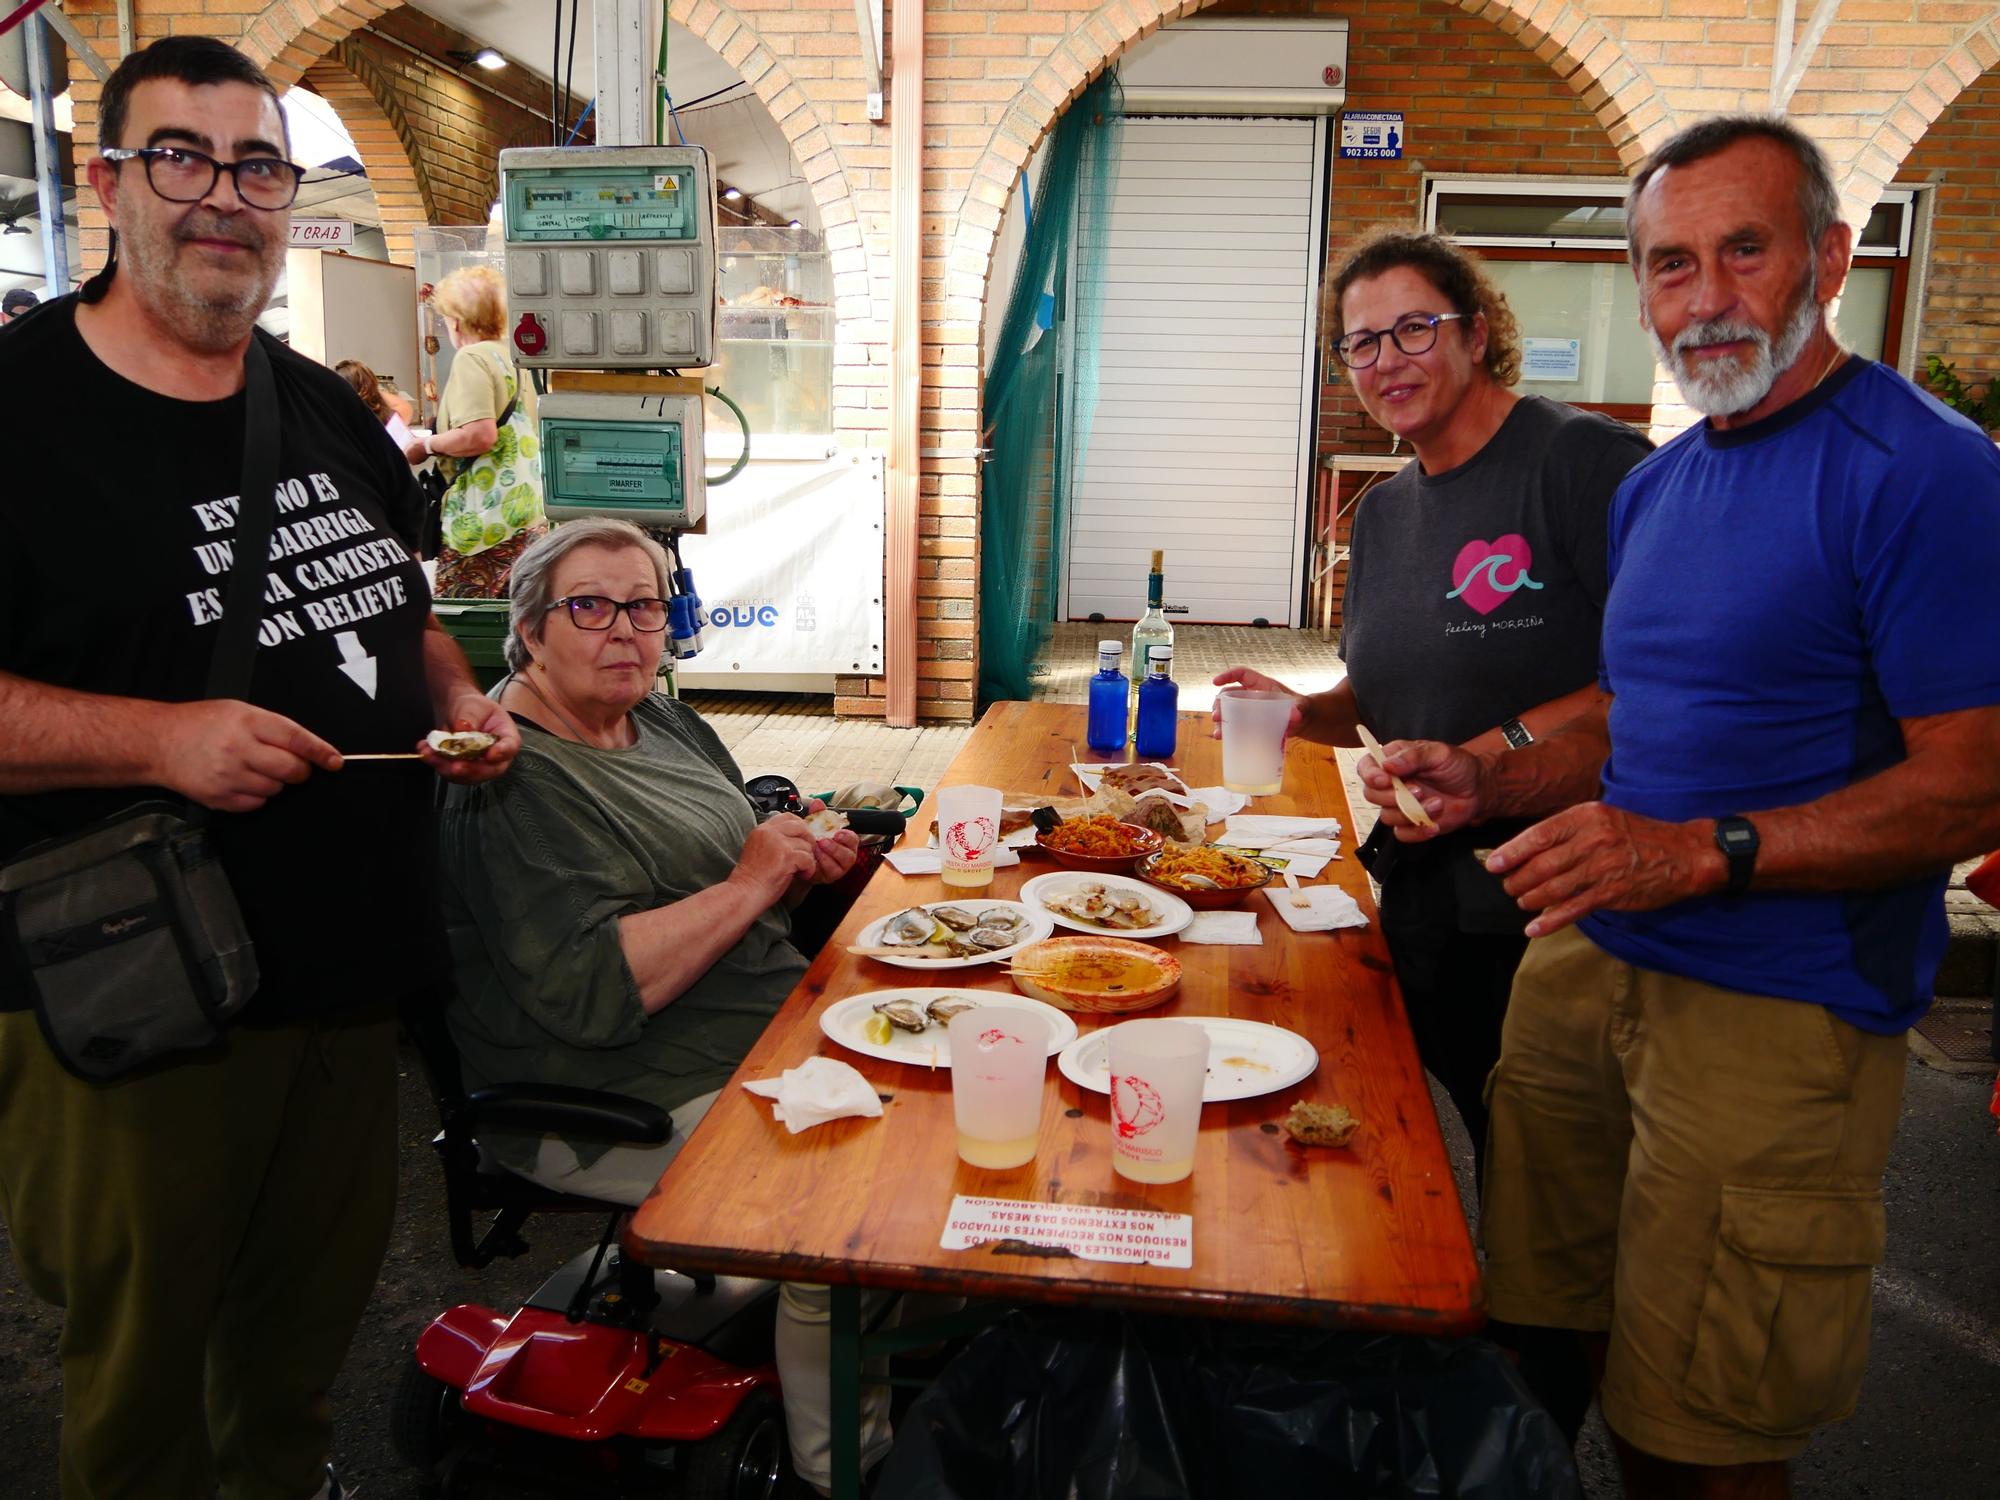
<point>1781,595</point>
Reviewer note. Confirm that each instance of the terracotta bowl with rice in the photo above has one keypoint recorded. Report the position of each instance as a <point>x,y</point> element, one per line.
<point>1099,843</point>
<point>1207,878</point>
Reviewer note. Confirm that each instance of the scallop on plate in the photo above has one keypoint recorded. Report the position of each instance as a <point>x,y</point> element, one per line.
<point>953,934</point>
<point>1114,905</point>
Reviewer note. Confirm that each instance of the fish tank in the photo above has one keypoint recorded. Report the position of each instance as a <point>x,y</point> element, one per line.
<point>774,328</point>
<point>440,250</point>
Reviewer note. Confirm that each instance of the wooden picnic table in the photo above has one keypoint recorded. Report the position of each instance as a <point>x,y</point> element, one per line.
<point>1366,1236</point>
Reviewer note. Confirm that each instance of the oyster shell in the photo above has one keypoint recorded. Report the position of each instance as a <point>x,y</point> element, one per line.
<point>1003,919</point>
<point>459,744</point>
<point>990,938</point>
<point>911,928</point>
<point>945,1007</point>
<point>957,918</point>
<point>905,1015</point>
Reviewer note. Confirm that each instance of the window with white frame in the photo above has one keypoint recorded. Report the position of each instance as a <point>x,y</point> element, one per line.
<point>1556,247</point>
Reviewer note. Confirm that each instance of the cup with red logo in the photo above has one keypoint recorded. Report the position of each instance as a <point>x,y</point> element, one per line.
<point>968,820</point>
<point>998,1061</point>
<point>1157,1072</point>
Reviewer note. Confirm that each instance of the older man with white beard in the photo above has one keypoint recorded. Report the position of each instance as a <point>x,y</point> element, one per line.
<point>1738,877</point>
<point>212,1224</point>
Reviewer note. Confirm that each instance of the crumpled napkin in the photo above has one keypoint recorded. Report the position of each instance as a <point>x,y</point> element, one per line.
<point>1233,927</point>
<point>1218,801</point>
<point>817,1090</point>
<point>1329,907</point>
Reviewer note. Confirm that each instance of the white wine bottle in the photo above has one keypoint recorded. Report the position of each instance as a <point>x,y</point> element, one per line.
<point>1152,630</point>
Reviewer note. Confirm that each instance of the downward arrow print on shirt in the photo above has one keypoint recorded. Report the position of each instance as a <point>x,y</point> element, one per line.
<point>356,662</point>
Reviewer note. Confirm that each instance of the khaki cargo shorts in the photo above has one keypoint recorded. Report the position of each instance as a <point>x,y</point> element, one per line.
<point>1698,1173</point>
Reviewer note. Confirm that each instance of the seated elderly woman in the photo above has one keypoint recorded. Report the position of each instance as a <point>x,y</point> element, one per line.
<point>617,912</point>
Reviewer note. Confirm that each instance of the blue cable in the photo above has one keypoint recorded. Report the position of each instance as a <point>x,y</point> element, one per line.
<point>578,129</point>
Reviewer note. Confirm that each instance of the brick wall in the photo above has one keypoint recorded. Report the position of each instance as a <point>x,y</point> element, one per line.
<point>1961,309</point>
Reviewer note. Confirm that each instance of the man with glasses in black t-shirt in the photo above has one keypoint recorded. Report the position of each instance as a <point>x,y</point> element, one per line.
<point>213,1225</point>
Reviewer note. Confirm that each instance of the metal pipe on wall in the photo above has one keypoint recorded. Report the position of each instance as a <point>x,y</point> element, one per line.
<point>906,142</point>
<point>48,158</point>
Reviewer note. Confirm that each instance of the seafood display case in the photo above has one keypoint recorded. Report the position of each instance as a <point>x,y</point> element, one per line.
<point>775,328</point>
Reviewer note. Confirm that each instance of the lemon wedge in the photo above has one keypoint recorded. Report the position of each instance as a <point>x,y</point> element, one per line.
<point>877,1029</point>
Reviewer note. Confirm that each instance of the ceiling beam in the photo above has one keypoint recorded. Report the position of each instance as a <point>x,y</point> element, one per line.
<point>1789,63</point>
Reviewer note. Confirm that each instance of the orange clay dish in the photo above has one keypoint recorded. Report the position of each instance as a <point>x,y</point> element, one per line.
<point>1100,836</point>
<point>1203,868</point>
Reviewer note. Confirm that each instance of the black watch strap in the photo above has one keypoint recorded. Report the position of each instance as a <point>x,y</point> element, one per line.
<point>1516,734</point>
<point>1736,837</point>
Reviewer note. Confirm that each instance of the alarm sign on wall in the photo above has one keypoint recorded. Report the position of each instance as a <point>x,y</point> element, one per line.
<point>1366,135</point>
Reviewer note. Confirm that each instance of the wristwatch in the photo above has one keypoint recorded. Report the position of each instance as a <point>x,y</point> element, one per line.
<point>1516,734</point>
<point>1737,839</point>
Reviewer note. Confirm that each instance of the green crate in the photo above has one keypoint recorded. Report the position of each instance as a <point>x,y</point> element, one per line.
<point>480,628</point>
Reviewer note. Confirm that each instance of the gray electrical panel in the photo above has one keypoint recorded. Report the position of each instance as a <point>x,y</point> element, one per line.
<point>610,256</point>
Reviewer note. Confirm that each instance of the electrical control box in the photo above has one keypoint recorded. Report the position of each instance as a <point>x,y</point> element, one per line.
<point>610,256</point>
<point>634,456</point>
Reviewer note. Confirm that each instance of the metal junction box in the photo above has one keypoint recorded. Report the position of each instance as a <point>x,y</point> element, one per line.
<point>610,256</point>
<point>636,457</point>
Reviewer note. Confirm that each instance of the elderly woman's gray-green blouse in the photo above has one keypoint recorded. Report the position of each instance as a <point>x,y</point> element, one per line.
<point>540,865</point>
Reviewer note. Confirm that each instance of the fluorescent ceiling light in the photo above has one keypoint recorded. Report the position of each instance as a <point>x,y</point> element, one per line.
<point>487,58</point>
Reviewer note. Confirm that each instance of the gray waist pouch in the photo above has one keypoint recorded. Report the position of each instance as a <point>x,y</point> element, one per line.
<point>132,938</point>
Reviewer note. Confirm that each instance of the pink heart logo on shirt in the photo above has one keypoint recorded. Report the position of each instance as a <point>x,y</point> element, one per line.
<point>1486,574</point>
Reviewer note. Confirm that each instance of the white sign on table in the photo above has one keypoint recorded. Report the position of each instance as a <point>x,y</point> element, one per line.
<point>1123,1235</point>
<point>1371,135</point>
<point>1551,359</point>
<point>322,234</point>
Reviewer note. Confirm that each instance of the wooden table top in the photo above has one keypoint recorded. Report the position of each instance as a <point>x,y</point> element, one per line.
<point>1370,1235</point>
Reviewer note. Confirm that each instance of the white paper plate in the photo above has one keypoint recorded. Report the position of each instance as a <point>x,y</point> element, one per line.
<point>1174,912</point>
<point>1040,925</point>
<point>842,1022</point>
<point>1245,1058</point>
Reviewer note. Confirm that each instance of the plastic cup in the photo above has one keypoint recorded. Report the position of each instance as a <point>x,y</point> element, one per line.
<point>1253,739</point>
<point>998,1061</point>
<point>1157,1072</point>
<point>968,834</point>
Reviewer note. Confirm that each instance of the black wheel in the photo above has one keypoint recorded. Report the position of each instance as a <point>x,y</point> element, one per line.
<point>748,1459</point>
<point>424,1417</point>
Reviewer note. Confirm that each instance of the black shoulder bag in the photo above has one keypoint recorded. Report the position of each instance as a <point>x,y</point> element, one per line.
<point>133,940</point>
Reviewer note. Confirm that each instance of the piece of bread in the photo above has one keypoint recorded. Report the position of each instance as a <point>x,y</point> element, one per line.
<point>826,822</point>
<point>1320,1124</point>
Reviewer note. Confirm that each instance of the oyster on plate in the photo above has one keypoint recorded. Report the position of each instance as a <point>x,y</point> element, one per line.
<point>905,1015</point>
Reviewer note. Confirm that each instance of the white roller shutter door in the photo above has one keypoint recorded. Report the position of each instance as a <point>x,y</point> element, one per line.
<point>1200,441</point>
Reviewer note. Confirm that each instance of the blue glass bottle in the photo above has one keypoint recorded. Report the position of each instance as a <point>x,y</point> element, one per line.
<point>1159,701</point>
<point>1105,732</point>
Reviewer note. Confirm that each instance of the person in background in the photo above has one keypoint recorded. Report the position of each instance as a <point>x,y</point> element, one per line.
<point>19,300</point>
<point>1737,882</point>
<point>619,916</point>
<point>1475,589</point>
<point>486,437</point>
<point>376,399</point>
<point>212,1225</point>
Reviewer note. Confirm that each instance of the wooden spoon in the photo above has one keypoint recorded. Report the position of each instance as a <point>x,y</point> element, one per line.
<point>1406,800</point>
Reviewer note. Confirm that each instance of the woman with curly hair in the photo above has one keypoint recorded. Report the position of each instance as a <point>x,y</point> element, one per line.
<point>486,439</point>
<point>1475,592</point>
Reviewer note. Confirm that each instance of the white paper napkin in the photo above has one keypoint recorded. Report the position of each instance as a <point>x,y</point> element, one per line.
<point>930,862</point>
<point>1329,907</point>
<point>1233,927</point>
<point>1219,800</point>
<point>817,1090</point>
<point>1257,830</point>
<point>1305,866</point>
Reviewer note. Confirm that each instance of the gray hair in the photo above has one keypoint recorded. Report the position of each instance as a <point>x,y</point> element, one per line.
<point>531,583</point>
<point>1819,196</point>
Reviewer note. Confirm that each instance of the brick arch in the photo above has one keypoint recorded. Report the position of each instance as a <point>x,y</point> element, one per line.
<point>1577,47</point>
<point>1899,128</point>
<point>383,139</point>
<point>286,49</point>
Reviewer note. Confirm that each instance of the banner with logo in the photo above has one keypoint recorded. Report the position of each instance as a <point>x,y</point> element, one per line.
<point>790,570</point>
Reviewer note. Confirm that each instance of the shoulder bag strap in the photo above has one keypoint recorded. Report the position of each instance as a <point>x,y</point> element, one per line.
<point>256,515</point>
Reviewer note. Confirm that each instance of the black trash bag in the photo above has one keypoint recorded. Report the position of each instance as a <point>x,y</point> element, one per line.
<point>1093,1406</point>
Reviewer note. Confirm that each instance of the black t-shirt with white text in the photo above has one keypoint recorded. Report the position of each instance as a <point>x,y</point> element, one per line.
<point>116,529</point>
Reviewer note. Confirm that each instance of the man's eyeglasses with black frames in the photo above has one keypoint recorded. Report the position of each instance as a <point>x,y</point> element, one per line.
<point>181,175</point>
<point>595,612</point>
